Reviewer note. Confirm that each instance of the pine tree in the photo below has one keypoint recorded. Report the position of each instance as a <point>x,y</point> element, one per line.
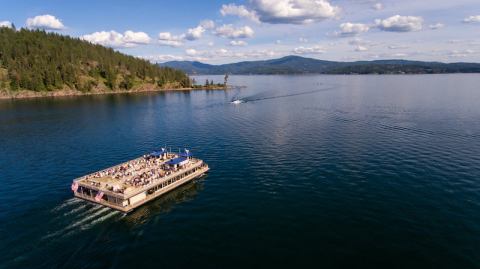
<point>225,80</point>
<point>40,61</point>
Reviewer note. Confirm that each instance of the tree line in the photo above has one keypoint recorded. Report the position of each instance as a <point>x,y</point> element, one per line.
<point>40,61</point>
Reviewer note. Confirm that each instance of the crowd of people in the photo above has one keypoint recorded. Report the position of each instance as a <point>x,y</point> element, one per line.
<point>136,173</point>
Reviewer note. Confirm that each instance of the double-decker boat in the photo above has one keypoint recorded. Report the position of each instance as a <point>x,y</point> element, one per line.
<point>131,184</point>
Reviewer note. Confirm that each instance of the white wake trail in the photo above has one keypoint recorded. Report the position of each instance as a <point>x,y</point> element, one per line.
<point>101,219</point>
<point>68,202</point>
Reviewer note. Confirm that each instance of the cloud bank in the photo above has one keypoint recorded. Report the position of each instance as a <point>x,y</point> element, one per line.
<point>45,22</point>
<point>352,29</point>
<point>472,19</point>
<point>284,11</point>
<point>399,23</point>
<point>229,31</point>
<point>117,40</point>
<point>7,24</point>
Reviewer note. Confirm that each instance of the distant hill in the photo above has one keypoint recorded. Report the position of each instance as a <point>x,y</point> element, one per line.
<point>301,65</point>
<point>47,62</point>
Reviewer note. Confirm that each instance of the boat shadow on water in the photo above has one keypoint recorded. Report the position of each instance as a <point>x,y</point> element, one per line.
<point>75,215</point>
<point>165,203</point>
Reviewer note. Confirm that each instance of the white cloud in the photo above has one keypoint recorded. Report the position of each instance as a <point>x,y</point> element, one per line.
<point>194,33</point>
<point>240,11</point>
<point>228,31</point>
<point>377,6</point>
<point>45,22</point>
<point>472,19</point>
<point>351,29</point>
<point>278,41</point>
<point>211,55</point>
<point>399,23</point>
<point>361,48</point>
<point>223,53</point>
<point>398,55</point>
<point>191,52</point>
<point>140,38</point>
<point>239,43</point>
<point>294,11</point>
<point>207,24</point>
<point>283,11</point>
<point>117,40</point>
<point>309,50</point>
<point>163,58</point>
<point>167,39</point>
<point>219,52</point>
<point>5,24</point>
<point>436,26</point>
<point>460,53</point>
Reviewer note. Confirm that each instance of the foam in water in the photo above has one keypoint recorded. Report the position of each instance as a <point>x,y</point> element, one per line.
<point>78,222</point>
<point>101,219</point>
<point>69,202</point>
<point>86,219</point>
<point>75,210</point>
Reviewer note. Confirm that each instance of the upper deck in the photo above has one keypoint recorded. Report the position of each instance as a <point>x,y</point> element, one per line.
<point>135,176</point>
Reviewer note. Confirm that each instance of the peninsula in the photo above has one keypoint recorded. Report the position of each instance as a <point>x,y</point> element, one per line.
<point>36,63</point>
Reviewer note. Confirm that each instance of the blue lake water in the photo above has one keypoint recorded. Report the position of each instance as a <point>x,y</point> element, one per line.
<point>317,171</point>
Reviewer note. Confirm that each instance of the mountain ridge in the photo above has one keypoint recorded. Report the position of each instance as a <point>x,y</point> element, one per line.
<point>301,65</point>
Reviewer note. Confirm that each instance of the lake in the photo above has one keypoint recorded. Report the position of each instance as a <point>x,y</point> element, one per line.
<point>311,171</point>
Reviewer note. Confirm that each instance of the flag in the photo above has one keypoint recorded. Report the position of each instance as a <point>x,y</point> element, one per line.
<point>74,186</point>
<point>99,196</point>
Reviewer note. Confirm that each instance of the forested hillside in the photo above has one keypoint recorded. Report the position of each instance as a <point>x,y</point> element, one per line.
<point>40,61</point>
<point>301,65</point>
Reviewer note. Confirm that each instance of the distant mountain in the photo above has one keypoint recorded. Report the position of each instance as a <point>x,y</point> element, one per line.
<point>301,65</point>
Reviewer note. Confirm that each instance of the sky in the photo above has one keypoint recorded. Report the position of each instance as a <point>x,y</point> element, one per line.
<point>219,32</point>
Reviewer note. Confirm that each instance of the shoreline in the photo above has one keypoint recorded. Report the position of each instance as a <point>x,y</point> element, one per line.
<point>26,94</point>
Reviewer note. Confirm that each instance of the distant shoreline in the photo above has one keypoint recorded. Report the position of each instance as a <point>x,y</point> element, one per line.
<point>300,65</point>
<point>27,94</point>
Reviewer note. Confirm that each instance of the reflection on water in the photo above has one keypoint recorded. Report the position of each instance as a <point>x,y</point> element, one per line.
<point>165,203</point>
<point>331,171</point>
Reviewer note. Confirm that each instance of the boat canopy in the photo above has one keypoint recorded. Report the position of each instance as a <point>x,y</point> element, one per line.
<point>178,160</point>
<point>158,153</point>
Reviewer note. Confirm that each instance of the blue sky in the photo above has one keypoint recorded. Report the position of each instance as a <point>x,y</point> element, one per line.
<point>231,31</point>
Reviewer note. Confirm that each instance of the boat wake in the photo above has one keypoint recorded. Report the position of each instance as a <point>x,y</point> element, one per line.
<point>265,95</point>
<point>70,202</point>
<point>71,220</point>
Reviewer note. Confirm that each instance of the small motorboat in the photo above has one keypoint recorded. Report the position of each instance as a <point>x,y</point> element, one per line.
<point>237,101</point>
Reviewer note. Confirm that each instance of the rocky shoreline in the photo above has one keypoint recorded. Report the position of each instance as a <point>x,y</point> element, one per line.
<point>25,94</point>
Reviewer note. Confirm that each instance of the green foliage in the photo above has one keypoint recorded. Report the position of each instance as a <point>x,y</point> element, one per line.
<point>42,61</point>
<point>127,82</point>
